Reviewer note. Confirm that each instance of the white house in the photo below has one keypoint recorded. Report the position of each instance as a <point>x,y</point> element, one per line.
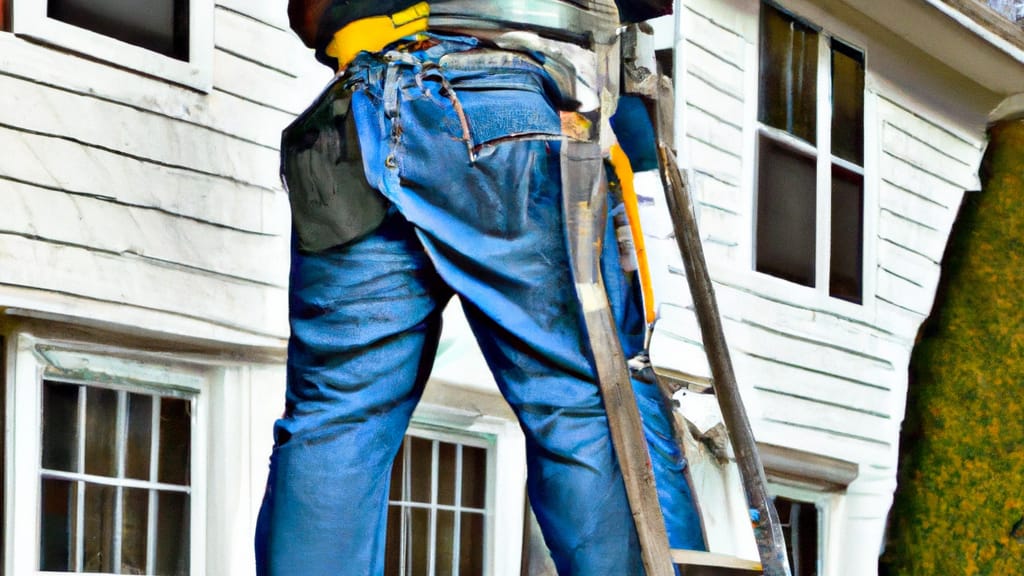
<point>143,271</point>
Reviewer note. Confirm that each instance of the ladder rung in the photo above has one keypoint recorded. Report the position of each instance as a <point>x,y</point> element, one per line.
<point>712,560</point>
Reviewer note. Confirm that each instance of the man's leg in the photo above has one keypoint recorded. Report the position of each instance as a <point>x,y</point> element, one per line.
<point>365,319</point>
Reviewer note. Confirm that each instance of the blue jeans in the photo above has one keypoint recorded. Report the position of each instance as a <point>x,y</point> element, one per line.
<point>468,157</point>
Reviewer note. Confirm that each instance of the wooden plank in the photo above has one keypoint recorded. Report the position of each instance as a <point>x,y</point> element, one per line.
<point>134,133</point>
<point>257,83</point>
<point>713,101</point>
<point>904,174</point>
<point>695,558</point>
<point>272,12</point>
<point>218,111</point>
<point>105,226</point>
<point>911,235</point>
<point>144,284</point>
<point>702,29</point>
<point>707,128</point>
<point>807,414</point>
<point>915,207</point>
<point>718,163</point>
<point>45,161</point>
<point>914,267</point>
<point>712,67</point>
<point>862,452</point>
<point>904,293</point>
<point>931,131</point>
<point>909,147</point>
<point>270,46</point>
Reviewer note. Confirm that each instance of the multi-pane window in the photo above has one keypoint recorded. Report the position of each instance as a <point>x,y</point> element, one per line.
<point>810,177</point>
<point>800,526</point>
<point>438,508</point>
<point>157,25</point>
<point>115,480</point>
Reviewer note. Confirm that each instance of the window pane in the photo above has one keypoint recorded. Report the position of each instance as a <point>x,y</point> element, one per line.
<point>419,469</point>
<point>474,477</point>
<point>99,528</point>
<point>158,25</point>
<point>445,549</point>
<point>397,469</point>
<point>140,436</point>
<point>800,527</point>
<point>847,103</point>
<point>418,542</point>
<point>172,534</point>
<point>789,66</point>
<point>786,209</point>
<point>56,530</point>
<point>175,440</point>
<point>100,431</point>
<point>393,547</point>
<point>846,266</point>
<point>471,545</point>
<point>60,426</point>
<point>134,530</point>
<point>446,474</point>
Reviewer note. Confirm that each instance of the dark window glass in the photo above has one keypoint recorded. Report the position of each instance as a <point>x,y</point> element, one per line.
<point>446,467</point>
<point>419,473</point>
<point>56,531</point>
<point>847,257</point>
<point>445,550</point>
<point>139,445</point>
<point>666,61</point>
<point>474,477</point>
<point>175,440</point>
<point>786,210</point>
<point>800,527</point>
<point>471,546</point>
<point>99,528</point>
<point>134,527</point>
<point>847,103</point>
<point>393,546</point>
<point>418,544</point>
<point>157,25</point>
<point>789,72</point>
<point>172,534</point>
<point>100,431</point>
<point>60,426</point>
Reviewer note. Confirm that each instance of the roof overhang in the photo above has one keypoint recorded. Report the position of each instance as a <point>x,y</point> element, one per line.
<point>966,35</point>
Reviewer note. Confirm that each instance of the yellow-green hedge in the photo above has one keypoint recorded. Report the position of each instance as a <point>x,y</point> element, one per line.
<point>960,499</point>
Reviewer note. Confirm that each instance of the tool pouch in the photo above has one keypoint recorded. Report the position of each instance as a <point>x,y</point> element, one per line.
<point>322,170</point>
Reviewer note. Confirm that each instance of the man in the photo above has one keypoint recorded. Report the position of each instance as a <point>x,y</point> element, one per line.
<point>430,168</point>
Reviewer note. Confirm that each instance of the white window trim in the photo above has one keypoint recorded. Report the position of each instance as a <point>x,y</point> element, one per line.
<point>783,290</point>
<point>830,507</point>
<point>506,471</point>
<point>27,368</point>
<point>29,19</point>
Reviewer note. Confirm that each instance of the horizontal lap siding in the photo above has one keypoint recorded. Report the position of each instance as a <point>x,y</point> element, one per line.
<point>123,188</point>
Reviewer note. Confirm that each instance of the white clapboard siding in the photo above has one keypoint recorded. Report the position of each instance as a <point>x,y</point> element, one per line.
<point>913,150</point>
<point>276,49</point>
<point>271,12</point>
<point>32,107</point>
<point>710,190</point>
<point>903,174</point>
<point>919,238</point>
<point>915,268</point>
<point>257,83</point>
<point>962,148</point>
<point>717,163</point>
<point>141,283</point>
<point>826,416</point>
<point>44,161</point>
<point>702,126</point>
<point>719,104</point>
<point>702,30</point>
<point>704,63</point>
<point>914,206</point>
<point>62,218</point>
<point>217,111</point>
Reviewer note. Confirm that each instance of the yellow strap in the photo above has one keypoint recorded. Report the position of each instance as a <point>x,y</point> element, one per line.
<point>624,171</point>
<point>375,32</point>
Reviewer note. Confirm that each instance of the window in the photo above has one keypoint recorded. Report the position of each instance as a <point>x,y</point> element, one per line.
<point>438,507</point>
<point>800,525</point>
<point>115,480</point>
<point>171,39</point>
<point>108,463</point>
<point>810,149</point>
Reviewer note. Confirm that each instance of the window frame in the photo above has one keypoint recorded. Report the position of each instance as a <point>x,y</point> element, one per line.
<point>830,506</point>
<point>28,18</point>
<point>828,29</point>
<point>28,366</point>
<point>506,494</point>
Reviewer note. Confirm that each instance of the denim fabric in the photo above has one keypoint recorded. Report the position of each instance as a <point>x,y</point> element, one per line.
<point>471,171</point>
